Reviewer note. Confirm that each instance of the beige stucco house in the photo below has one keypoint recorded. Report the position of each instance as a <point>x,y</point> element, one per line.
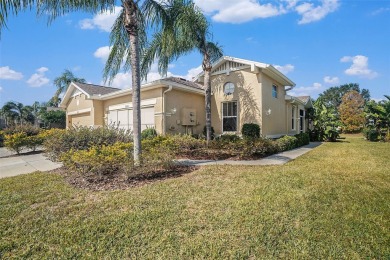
<point>243,91</point>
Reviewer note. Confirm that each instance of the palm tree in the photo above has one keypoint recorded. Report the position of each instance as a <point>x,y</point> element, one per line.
<point>52,8</point>
<point>17,112</point>
<point>193,33</point>
<point>62,83</point>
<point>128,39</point>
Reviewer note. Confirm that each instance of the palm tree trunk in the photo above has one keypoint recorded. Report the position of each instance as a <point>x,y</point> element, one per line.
<point>207,85</point>
<point>131,25</point>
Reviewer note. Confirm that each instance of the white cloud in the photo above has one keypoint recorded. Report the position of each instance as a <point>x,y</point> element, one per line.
<point>122,80</point>
<point>7,73</point>
<point>285,69</point>
<point>38,79</point>
<point>306,91</point>
<point>359,67</point>
<point>233,11</point>
<point>102,53</point>
<point>103,21</point>
<point>1,88</point>
<point>381,10</point>
<point>378,99</point>
<point>311,13</point>
<point>331,80</point>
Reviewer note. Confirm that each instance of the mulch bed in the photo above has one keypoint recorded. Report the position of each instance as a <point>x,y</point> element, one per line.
<point>121,181</point>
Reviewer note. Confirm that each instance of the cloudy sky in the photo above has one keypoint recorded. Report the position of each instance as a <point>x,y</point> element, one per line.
<point>317,44</point>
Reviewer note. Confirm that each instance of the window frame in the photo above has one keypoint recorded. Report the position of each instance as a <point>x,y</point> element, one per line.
<point>293,112</point>
<point>274,91</point>
<point>223,115</point>
<point>230,84</point>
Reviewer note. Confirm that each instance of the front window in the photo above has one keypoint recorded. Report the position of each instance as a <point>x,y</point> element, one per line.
<point>274,91</point>
<point>228,88</point>
<point>229,116</point>
<point>293,118</point>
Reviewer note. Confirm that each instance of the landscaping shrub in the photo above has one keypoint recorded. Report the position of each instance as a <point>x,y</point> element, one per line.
<point>2,138</point>
<point>28,129</point>
<point>286,143</point>
<point>148,133</point>
<point>58,141</point>
<point>32,142</point>
<point>16,142</point>
<point>228,138</point>
<point>99,160</point>
<point>212,132</point>
<point>250,131</point>
<point>302,139</point>
<point>371,134</point>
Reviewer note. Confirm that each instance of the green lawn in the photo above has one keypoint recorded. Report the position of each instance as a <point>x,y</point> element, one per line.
<point>333,202</point>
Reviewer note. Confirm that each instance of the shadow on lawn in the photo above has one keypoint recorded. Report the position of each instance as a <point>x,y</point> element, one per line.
<point>121,181</point>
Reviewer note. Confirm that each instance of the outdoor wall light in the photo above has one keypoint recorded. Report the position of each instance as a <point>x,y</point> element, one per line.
<point>173,111</point>
<point>268,112</point>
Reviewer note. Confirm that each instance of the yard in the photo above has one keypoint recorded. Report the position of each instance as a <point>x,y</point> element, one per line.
<point>330,203</point>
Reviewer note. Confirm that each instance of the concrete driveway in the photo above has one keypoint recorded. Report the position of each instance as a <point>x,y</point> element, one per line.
<point>12,165</point>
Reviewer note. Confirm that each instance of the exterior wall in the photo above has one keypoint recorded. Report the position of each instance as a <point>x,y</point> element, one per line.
<point>247,93</point>
<point>98,112</point>
<point>176,99</point>
<point>77,103</point>
<point>148,94</point>
<point>273,124</point>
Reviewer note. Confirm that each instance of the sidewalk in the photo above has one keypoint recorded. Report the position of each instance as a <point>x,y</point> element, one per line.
<point>275,159</point>
<point>12,165</point>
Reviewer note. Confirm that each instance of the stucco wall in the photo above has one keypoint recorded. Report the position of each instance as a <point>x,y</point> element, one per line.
<point>77,103</point>
<point>273,124</point>
<point>247,94</point>
<point>178,100</point>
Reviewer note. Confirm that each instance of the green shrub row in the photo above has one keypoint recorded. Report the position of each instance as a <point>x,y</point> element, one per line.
<point>58,141</point>
<point>18,142</point>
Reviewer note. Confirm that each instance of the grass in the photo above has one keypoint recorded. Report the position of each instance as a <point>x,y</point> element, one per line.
<point>332,202</point>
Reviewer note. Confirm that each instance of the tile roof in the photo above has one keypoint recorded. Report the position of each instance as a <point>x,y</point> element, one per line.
<point>304,99</point>
<point>92,89</point>
<point>184,82</point>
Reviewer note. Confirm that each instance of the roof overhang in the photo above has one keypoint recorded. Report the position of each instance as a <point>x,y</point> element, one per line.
<point>68,94</point>
<point>150,86</point>
<point>295,100</point>
<point>255,67</point>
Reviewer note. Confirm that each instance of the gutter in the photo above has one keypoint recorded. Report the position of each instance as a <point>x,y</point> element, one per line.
<point>163,112</point>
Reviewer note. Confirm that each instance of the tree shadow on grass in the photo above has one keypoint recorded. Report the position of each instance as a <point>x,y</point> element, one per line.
<point>121,181</point>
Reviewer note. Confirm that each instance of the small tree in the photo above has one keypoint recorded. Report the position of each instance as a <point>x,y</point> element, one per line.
<point>351,111</point>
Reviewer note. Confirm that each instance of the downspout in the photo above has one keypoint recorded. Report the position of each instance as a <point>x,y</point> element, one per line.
<point>169,89</point>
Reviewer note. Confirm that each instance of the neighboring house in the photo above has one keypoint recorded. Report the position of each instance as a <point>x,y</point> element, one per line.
<point>242,92</point>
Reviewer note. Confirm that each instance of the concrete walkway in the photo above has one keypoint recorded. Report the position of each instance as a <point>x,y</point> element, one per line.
<point>276,159</point>
<point>12,165</point>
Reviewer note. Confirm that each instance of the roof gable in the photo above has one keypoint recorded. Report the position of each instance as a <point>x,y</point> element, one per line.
<point>227,64</point>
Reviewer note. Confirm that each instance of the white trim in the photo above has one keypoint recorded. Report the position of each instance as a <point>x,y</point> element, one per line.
<point>222,117</point>
<point>81,111</point>
<point>144,103</point>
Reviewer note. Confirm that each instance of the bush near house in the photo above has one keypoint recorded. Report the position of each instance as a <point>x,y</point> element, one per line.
<point>58,141</point>
<point>20,137</point>
<point>250,131</point>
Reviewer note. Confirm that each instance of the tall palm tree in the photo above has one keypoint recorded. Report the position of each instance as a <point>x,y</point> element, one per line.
<point>193,33</point>
<point>62,83</point>
<point>128,39</point>
<point>15,111</point>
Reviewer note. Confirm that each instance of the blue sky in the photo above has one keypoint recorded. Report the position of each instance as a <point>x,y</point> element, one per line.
<point>317,44</point>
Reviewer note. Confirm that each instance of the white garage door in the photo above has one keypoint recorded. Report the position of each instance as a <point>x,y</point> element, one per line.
<point>124,118</point>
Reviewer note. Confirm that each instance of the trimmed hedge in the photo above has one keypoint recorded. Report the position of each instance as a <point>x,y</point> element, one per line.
<point>250,130</point>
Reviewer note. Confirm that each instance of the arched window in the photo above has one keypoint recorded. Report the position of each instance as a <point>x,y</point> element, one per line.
<point>228,88</point>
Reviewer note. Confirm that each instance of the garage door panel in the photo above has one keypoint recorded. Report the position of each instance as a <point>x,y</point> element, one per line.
<point>124,118</point>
